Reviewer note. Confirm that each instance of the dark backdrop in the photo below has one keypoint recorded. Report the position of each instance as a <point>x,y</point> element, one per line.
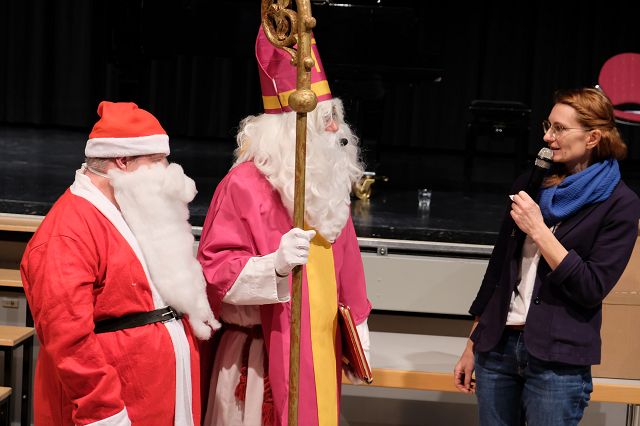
<point>406,70</point>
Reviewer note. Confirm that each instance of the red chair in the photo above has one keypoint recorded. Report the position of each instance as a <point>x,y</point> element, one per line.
<point>619,79</point>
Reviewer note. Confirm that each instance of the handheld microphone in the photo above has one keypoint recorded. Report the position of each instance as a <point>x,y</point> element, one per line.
<point>540,168</point>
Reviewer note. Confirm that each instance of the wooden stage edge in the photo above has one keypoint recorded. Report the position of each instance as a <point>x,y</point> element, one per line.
<point>19,222</point>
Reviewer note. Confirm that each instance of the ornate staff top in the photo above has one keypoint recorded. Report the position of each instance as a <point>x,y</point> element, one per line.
<point>286,29</point>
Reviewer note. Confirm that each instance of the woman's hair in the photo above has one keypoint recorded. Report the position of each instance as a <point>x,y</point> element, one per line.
<point>593,111</point>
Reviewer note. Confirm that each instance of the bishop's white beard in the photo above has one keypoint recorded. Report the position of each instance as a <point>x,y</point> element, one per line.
<point>269,140</point>
<point>153,201</point>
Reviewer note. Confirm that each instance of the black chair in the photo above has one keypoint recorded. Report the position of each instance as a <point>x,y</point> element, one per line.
<point>504,125</point>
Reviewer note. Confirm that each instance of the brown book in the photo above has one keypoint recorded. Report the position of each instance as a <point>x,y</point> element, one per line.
<point>352,352</point>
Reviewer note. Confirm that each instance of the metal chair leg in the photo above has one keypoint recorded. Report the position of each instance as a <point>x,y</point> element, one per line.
<point>632,415</point>
<point>27,360</point>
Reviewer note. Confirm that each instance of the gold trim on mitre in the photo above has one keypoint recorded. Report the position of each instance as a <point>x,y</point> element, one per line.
<point>320,88</point>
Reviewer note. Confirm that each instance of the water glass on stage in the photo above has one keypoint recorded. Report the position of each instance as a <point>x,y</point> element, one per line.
<point>424,198</point>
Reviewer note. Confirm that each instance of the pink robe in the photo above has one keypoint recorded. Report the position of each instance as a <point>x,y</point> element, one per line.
<point>246,219</point>
<point>78,269</point>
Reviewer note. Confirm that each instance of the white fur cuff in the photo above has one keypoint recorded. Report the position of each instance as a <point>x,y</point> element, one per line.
<point>257,284</point>
<point>119,419</point>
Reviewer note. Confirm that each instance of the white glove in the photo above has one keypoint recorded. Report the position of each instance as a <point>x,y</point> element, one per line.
<point>365,341</point>
<point>293,250</point>
<point>352,377</point>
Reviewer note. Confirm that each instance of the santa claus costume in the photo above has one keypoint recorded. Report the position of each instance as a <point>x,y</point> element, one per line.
<point>250,211</point>
<point>91,264</point>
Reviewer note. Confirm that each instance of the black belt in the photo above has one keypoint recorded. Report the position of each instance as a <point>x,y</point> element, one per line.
<point>516,327</point>
<point>136,320</point>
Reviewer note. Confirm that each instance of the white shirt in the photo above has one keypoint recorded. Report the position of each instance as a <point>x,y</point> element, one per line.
<point>521,296</point>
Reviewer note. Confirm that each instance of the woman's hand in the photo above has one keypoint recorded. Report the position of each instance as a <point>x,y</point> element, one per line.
<point>526,214</point>
<point>463,372</point>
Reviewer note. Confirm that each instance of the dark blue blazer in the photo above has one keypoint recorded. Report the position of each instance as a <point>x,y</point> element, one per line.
<point>565,315</point>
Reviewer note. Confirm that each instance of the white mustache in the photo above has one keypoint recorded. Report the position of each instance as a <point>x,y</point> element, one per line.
<point>170,181</point>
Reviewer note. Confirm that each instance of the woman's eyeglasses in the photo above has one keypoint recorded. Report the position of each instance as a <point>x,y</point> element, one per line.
<point>557,130</point>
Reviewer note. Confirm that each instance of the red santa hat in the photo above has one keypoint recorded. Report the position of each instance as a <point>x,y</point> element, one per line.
<point>278,75</point>
<point>124,130</point>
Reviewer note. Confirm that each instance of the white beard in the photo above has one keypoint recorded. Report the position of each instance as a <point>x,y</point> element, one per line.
<point>153,201</point>
<point>331,169</point>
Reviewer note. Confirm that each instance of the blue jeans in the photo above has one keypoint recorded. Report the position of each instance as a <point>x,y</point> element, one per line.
<point>513,387</point>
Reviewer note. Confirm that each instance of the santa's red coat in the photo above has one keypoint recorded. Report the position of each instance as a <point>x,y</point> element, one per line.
<point>79,269</point>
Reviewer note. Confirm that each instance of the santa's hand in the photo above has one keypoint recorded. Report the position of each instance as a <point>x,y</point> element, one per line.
<point>293,250</point>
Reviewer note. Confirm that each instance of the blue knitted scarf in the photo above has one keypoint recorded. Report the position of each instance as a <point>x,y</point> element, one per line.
<point>590,186</point>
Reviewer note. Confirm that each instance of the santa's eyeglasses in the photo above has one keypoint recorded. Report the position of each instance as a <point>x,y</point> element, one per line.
<point>333,117</point>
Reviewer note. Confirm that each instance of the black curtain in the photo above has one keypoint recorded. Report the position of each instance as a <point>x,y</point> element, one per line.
<point>189,62</point>
<point>406,70</point>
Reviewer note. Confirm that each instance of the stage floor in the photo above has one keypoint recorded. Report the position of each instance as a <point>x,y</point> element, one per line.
<point>39,164</point>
